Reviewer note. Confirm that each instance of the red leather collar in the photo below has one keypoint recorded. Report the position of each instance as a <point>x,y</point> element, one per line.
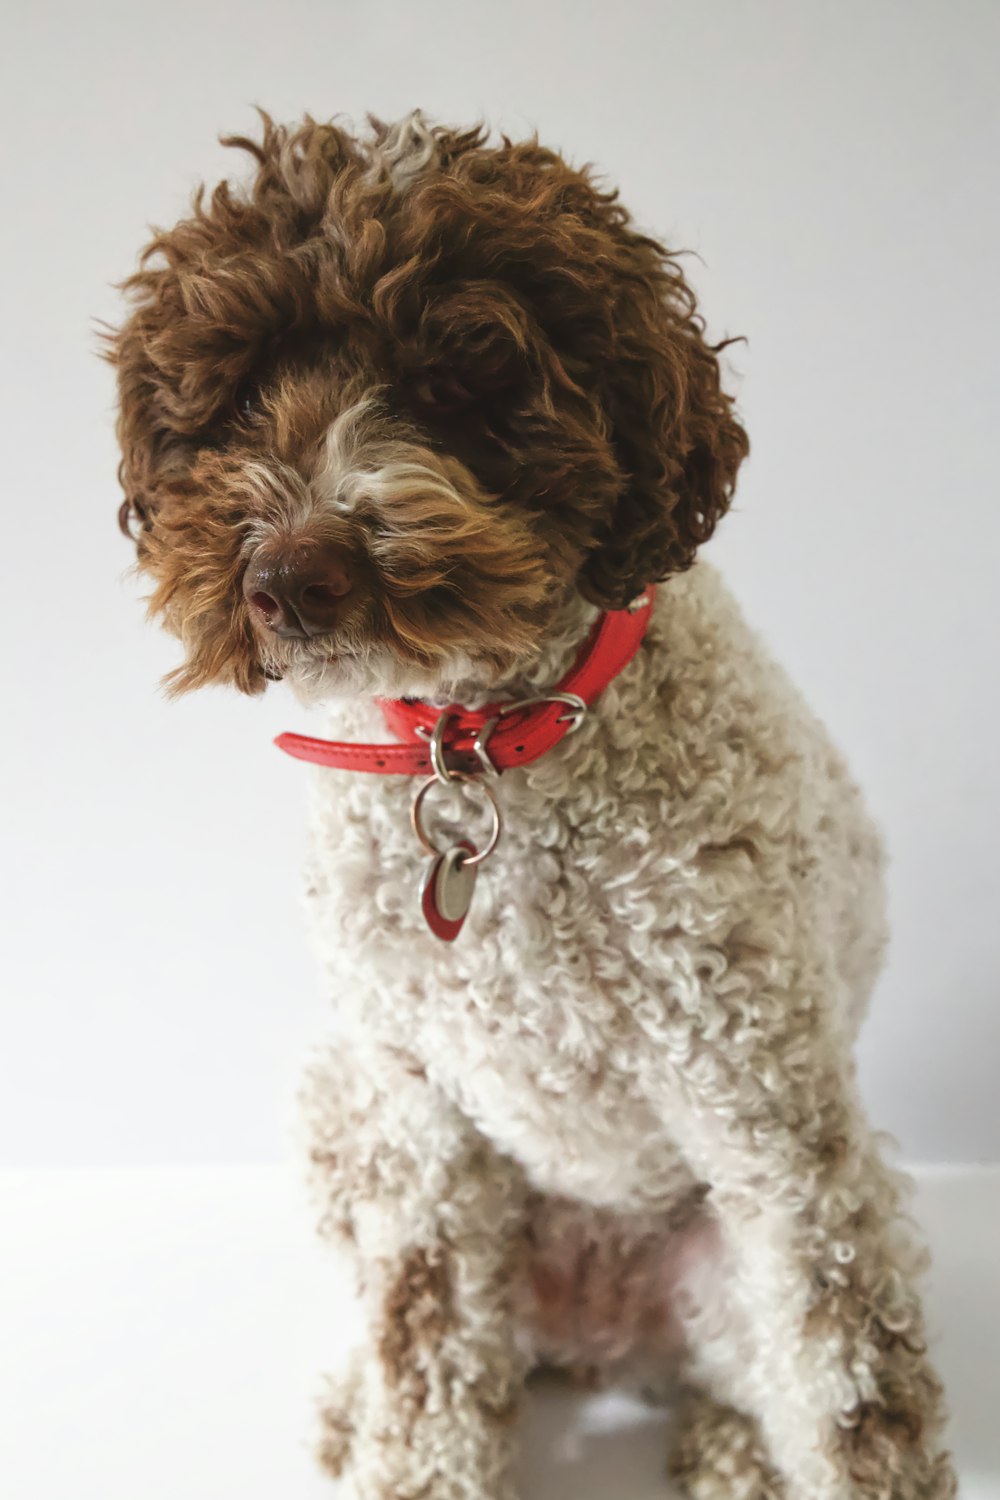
<point>506,736</point>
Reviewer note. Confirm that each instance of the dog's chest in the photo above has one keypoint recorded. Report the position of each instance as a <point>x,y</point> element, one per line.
<point>529,1019</point>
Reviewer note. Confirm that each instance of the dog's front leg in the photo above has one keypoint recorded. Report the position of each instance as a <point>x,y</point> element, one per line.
<point>817,1330</point>
<point>435,1216</point>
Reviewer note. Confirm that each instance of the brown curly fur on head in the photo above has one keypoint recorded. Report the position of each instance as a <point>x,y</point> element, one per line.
<point>458,359</point>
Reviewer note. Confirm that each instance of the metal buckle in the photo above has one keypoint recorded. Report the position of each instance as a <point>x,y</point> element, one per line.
<point>480,744</point>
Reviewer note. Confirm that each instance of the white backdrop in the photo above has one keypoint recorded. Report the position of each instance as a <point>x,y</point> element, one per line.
<point>835,167</point>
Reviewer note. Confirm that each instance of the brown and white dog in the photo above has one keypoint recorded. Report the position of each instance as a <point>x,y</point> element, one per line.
<point>402,419</point>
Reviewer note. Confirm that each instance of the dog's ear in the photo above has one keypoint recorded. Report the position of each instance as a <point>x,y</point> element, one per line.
<point>675,437</point>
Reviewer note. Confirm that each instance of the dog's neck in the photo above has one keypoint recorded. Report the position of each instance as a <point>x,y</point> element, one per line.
<point>483,735</point>
<point>553,659</point>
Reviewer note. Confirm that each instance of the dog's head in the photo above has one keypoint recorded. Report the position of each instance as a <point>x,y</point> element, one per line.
<point>382,413</point>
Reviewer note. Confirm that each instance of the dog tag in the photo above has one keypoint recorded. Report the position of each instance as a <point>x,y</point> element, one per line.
<point>446,891</point>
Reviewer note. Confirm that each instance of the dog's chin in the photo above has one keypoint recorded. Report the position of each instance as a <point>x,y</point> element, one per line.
<point>378,673</point>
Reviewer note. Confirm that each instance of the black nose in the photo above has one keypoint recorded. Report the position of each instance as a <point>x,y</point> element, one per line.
<point>298,588</point>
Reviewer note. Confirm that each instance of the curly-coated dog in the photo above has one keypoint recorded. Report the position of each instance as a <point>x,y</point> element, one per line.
<point>415,422</point>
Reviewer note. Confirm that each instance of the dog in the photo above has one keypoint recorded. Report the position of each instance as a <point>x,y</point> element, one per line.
<point>422,424</point>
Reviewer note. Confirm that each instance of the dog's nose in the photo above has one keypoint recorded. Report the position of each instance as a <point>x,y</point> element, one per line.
<point>298,589</point>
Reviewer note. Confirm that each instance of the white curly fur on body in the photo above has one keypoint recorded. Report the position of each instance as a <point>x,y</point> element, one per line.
<point>633,1064</point>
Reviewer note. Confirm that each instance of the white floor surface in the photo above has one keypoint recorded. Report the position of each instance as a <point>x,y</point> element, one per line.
<point>161,1334</point>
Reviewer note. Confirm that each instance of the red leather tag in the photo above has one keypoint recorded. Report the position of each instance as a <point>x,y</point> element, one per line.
<point>446,892</point>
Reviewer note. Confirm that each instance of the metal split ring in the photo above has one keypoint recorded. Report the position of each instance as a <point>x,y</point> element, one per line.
<point>435,741</point>
<point>469,779</point>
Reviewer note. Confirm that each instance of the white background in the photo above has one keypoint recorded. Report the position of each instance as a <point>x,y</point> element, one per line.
<point>835,168</point>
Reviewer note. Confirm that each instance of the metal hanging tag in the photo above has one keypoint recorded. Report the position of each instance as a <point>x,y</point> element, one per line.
<point>446,890</point>
<point>450,877</point>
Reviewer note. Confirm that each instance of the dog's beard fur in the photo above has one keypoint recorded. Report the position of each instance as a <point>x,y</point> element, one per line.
<point>458,678</point>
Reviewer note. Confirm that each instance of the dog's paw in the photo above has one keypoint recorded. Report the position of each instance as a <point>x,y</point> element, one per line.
<point>338,1419</point>
<point>717,1454</point>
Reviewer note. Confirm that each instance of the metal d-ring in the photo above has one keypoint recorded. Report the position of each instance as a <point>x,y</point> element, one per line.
<point>469,779</point>
<point>435,741</point>
<point>480,744</point>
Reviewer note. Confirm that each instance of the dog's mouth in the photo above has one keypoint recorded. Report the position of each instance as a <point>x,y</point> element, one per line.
<point>282,662</point>
<point>277,674</point>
